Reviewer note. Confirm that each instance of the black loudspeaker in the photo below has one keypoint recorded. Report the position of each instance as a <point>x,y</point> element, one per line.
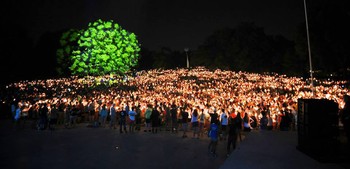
<point>318,129</point>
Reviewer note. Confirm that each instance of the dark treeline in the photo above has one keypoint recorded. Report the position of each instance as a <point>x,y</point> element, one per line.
<point>248,48</point>
<point>243,48</point>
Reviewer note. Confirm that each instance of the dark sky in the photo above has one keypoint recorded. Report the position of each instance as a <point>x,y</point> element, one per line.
<point>172,23</point>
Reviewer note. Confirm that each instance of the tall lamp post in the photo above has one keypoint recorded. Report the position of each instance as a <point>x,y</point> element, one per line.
<point>308,45</point>
<point>187,61</point>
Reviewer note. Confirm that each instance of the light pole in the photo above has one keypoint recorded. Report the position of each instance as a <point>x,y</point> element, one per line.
<point>187,61</point>
<point>308,45</point>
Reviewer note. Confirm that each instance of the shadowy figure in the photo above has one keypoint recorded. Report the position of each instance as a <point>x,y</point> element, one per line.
<point>233,125</point>
<point>345,117</point>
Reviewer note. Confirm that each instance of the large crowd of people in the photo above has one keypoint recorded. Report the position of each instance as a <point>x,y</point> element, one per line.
<point>168,99</point>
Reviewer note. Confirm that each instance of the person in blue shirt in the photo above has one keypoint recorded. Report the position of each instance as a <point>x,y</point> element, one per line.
<point>132,114</point>
<point>213,134</point>
<point>103,115</point>
<point>17,116</point>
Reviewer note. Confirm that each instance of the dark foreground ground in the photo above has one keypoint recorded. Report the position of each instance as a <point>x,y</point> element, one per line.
<point>104,148</point>
<point>278,150</point>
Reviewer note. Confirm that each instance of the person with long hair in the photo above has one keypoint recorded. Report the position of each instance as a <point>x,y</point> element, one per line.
<point>195,123</point>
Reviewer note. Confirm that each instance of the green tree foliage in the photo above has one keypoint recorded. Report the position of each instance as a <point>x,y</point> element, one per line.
<point>105,48</point>
<point>68,43</point>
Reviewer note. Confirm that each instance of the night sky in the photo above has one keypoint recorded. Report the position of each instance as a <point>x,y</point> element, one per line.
<point>175,24</point>
<point>157,23</point>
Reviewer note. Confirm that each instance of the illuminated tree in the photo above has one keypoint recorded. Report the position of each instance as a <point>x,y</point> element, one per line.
<point>68,43</point>
<point>105,48</point>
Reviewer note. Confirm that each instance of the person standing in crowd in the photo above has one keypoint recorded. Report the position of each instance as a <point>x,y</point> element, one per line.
<point>132,117</point>
<point>201,120</point>
<point>233,124</point>
<point>155,115</point>
<point>91,110</point>
<point>224,123</point>
<point>173,112</point>
<point>246,122</point>
<point>195,123</point>
<point>294,114</point>
<point>167,116</point>
<point>17,116</point>
<point>122,120</point>
<point>213,134</point>
<point>53,117</point>
<point>43,113</point>
<point>74,114</point>
<point>269,122</point>
<point>148,114</point>
<point>60,120</point>
<point>179,118</point>
<point>184,115</point>
<point>253,121</point>
<point>285,120</point>
<point>13,109</point>
<point>67,118</point>
<point>127,108</point>
<point>113,115</point>
<point>239,123</point>
<point>103,115</point>
<point>264,121</point>
<point>161,119</point>
<point>214,117</point>
<point>345,117</point>
<point>138,118</point>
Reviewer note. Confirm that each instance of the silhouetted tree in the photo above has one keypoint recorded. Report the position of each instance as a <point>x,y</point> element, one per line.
<point>68,43</point>
<point>329,35</point>
<point>45,54</point>
<point>245,48</point>
<point>146,59</point>
<point>163,58</point>
<point>16,49</point>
